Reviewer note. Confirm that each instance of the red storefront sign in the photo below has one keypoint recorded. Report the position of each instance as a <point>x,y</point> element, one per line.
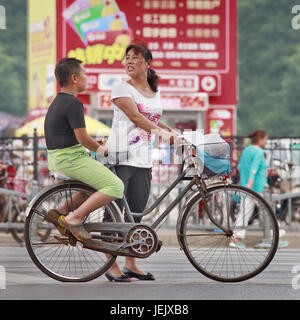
<point>193,42</point>
<point>170,102</point>
<point>220,121</point>
<point>168,83</point>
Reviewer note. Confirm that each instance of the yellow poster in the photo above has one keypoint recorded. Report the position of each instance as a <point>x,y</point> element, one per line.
<point>41,53</point>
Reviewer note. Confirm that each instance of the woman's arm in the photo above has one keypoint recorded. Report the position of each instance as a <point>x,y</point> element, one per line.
<point>129,107</point>
<point>164,126</point>
<point>255,164</point>
<point>250,183</point>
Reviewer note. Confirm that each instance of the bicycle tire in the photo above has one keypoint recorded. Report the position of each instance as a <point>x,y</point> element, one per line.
<point>213,254</point>
<point>4,207</point>
<point>16,234</point>
<point>65,263</point>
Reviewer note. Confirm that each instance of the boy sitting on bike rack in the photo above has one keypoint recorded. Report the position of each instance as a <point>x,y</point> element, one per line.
<point>67,141</point>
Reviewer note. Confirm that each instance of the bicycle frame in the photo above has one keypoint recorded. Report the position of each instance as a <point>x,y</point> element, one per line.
<point>125,228</point>
<point>195,180</point>
<point>130,214</point>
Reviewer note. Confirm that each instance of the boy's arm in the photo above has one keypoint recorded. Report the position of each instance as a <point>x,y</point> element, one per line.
<point>85,140</point>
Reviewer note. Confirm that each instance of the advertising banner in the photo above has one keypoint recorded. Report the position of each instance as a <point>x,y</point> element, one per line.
<point>193,42</point>
<point>220,121</point>
<point>41,55</point>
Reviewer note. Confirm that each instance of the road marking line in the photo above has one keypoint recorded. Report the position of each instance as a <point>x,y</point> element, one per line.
<point>16,278</point>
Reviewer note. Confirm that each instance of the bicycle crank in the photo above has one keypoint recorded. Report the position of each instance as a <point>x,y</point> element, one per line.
<point>142,241</point>
<point>139,240</point>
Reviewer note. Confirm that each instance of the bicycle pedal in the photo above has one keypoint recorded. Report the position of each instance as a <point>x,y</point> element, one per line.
<point>64,241</point>
<point>72,240</point>
<point>159,245</point>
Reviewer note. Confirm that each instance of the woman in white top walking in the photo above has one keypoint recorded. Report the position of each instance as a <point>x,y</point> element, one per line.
<point>137,113</point>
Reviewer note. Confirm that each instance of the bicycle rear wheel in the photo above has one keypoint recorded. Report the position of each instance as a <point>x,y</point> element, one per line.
<point>61,257</point>
<point>213,252</point>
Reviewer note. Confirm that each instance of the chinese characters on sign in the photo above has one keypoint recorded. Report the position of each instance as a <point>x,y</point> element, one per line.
<point>184,36</point>
<point>187,35</point>
<point>193,43</point>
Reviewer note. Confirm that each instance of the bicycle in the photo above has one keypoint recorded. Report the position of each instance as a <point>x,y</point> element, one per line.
<point>207,247</point>
<point>12,208</point>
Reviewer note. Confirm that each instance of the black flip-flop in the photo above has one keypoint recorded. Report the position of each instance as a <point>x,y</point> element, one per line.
<point>132,274</point>
<point>123,278</point>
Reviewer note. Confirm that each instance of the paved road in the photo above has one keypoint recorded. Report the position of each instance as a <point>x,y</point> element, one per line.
<point>175,279</point>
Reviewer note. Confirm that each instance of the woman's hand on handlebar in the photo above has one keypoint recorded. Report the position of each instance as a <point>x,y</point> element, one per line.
<point>170,137</point>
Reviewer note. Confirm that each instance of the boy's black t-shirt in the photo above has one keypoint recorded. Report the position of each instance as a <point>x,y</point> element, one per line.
<point>65,113</point>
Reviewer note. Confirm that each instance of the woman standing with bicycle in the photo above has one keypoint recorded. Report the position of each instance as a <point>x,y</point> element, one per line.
<point>137,113</point>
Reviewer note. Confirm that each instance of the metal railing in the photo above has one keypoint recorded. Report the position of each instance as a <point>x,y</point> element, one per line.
<point>19,179</point>
<point>282,156</point>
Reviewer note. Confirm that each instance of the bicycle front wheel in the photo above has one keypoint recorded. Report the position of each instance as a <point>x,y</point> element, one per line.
<point>243,247</point>
<point>61,257</point>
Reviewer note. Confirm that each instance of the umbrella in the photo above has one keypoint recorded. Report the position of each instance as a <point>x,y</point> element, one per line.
<point>8,121</point>
<point>93,127</point>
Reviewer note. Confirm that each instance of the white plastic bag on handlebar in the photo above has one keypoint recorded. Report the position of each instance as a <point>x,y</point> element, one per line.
<point>212,151</point>
<point>193,137</point>
<point>197,138</point>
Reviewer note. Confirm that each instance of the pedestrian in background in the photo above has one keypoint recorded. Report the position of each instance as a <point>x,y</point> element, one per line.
<point>253,174</point>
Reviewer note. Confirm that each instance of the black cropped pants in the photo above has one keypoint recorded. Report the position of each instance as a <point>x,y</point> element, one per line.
<point>137,184</point>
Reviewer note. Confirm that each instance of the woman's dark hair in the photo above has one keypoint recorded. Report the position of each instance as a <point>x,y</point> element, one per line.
<point>257,135</point>
<point>152,77</point>
<point>65,68</point>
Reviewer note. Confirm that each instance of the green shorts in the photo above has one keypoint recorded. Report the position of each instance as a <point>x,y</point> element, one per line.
<point>76,163</point>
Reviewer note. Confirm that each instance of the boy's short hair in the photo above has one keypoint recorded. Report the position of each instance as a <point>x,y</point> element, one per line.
<point>65,68</point>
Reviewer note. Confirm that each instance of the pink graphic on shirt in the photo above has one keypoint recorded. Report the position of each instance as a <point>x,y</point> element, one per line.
<point>153,117</point>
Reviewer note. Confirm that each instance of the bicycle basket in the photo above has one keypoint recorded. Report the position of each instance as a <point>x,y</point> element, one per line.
<point>215,159</point>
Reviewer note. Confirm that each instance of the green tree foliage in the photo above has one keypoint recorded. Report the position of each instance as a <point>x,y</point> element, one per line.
<point>13,51</point>
<point>269,68</point>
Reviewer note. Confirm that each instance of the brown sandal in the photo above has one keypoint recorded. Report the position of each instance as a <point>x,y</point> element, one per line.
<point>78,230</point>
<point>53,216</point>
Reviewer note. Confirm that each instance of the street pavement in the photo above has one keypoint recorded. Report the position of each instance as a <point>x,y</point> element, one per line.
<point>176,279</point>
